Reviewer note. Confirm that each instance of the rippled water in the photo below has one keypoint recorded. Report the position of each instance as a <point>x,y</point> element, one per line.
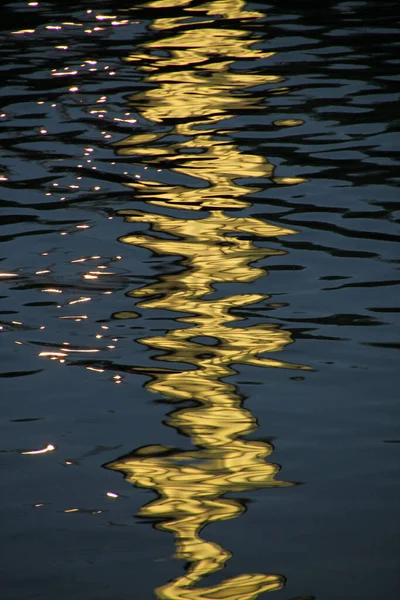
<point>199,219</point>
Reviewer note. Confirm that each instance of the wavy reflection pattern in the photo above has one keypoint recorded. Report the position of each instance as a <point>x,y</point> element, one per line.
<point>189,62</point>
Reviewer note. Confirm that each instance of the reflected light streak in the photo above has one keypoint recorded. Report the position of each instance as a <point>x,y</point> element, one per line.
<point>288,122</point>
<point>49,448</point>
<point>290,180</point>
<point>193,89</point>
<point>83,350</point>
<point>22,31</point>
<point>201,95</point>
<point>79,300</point>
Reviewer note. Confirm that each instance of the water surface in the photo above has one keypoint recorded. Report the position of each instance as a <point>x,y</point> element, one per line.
<point>199,303</point>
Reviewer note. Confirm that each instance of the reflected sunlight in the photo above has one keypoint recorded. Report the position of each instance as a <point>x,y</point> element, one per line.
<point>195,91</point>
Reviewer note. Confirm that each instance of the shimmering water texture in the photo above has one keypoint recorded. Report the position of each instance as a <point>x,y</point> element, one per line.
<point>200,208</point>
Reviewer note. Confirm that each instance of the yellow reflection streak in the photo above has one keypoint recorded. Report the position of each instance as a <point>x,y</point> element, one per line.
<point>196,91</point>
<point>204,93</point>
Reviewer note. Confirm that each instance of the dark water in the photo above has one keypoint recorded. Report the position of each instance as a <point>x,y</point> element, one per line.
<point>199,309</point>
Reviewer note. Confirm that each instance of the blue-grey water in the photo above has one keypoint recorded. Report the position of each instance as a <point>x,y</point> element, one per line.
<point>199,300</point>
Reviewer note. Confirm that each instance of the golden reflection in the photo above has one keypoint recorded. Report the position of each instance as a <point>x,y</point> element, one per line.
<point>290,180</point>
<point>167,3</point>
<point>204,93</point>
<point>288,122</point>
<point>195,91</point>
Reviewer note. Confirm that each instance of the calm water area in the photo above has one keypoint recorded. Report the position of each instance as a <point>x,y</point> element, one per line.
<point>199,308</point>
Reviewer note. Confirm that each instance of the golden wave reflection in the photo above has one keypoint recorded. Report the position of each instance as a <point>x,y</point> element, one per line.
<point>189,103</point>
<point>198,97</point>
